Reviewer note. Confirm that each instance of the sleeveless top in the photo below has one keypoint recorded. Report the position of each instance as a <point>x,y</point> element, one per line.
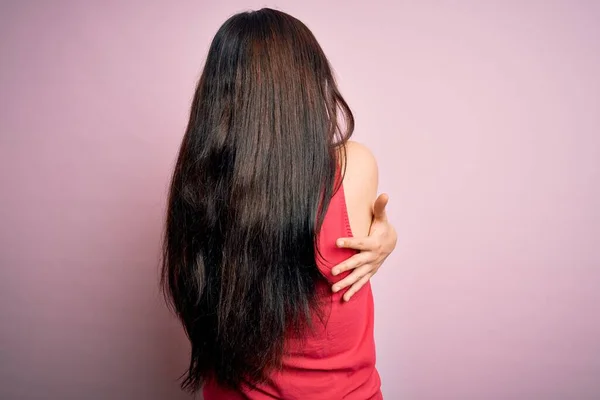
<point>337,358</point>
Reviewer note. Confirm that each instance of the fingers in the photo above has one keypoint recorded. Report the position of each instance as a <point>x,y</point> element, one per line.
<point>362,244</point>
<point>351,279</point>
<point>356,287</point>
<point>379,206</point>
<point>356,261</point>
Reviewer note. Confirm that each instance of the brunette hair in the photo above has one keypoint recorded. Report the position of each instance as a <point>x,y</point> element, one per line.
<point>254,177</point>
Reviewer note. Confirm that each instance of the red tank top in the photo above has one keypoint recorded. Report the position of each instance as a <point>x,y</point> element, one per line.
<point>337,359</point>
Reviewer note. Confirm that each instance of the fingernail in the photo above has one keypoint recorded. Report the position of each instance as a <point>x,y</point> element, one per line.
<point>336,288</point>
<point>340,243</point>
<point>335,271</point>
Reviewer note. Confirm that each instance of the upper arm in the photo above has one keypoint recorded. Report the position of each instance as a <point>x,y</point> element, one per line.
<point>360,186</point>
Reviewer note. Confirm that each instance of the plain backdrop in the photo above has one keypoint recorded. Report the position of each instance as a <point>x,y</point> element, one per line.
<point>485,119</point>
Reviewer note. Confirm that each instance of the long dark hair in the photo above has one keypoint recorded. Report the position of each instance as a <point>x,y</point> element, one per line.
<point>255,174</point>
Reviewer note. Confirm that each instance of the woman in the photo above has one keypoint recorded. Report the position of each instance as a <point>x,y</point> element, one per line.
<point>265,183</point>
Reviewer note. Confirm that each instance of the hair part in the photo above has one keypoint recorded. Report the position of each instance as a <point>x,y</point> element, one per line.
<point>254,177</point>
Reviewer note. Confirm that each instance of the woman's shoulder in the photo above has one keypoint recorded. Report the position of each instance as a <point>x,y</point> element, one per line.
<point>360,158</point>
<point>360,183</point>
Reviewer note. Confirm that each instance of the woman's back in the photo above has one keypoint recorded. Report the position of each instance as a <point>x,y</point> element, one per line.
<point>252,203</point>
<point>336,359</point>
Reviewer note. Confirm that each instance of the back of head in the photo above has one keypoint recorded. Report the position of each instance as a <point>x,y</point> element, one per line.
<point>253,179</point>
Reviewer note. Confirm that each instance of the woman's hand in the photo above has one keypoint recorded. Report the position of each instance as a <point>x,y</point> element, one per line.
<point>374,249</point>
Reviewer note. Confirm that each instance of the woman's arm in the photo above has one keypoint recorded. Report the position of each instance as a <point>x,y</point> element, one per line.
<point>374,236</point>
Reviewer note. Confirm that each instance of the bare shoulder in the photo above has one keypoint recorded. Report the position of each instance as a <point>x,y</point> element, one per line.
<point>360,186</point>
<point>360,161</point>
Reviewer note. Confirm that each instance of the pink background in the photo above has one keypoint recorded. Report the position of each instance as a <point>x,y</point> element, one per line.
<point>485,118</point>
